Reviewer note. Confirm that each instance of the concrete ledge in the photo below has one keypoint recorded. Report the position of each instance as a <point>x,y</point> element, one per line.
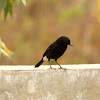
<point>45,67</point>
<point>75,82</point>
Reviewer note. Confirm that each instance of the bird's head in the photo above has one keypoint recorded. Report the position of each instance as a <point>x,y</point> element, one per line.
<point>70,43</point>
<point>66,40</point>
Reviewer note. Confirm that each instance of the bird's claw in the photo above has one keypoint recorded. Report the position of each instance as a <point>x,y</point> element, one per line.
<point>52,68</point>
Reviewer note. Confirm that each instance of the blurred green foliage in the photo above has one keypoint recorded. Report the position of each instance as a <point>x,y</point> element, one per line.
<point>8,6</point>
<point>69,13</point>
<point>4,50</point>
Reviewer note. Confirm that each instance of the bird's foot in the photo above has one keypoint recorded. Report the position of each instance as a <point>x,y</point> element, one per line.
<point>52,68</point>
<point>60,67</point>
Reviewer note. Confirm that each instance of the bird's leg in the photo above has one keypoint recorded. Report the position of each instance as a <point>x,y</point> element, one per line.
<point>50,64</point>
<point>58,64</point>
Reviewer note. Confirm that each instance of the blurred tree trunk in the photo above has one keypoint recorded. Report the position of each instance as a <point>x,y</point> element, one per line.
<point>87,28</point>
<point>98,10</point>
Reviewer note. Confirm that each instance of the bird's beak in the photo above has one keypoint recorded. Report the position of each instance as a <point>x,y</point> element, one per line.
<point>71,44</point>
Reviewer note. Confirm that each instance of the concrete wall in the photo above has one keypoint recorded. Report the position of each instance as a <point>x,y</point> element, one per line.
<point>75,82</point>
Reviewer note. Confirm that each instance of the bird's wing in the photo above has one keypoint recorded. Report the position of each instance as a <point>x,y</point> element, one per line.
<point>50,49</point>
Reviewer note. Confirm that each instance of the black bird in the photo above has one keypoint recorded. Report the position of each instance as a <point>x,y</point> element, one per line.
<point>55,50</point>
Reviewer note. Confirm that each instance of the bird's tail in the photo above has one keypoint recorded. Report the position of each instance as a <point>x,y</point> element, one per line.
<point>39,63</point>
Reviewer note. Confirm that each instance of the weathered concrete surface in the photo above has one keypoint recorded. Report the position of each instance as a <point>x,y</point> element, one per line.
<point>50,84</point>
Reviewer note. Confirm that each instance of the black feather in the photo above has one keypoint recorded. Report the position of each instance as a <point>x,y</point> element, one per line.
<point>39,63</point>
